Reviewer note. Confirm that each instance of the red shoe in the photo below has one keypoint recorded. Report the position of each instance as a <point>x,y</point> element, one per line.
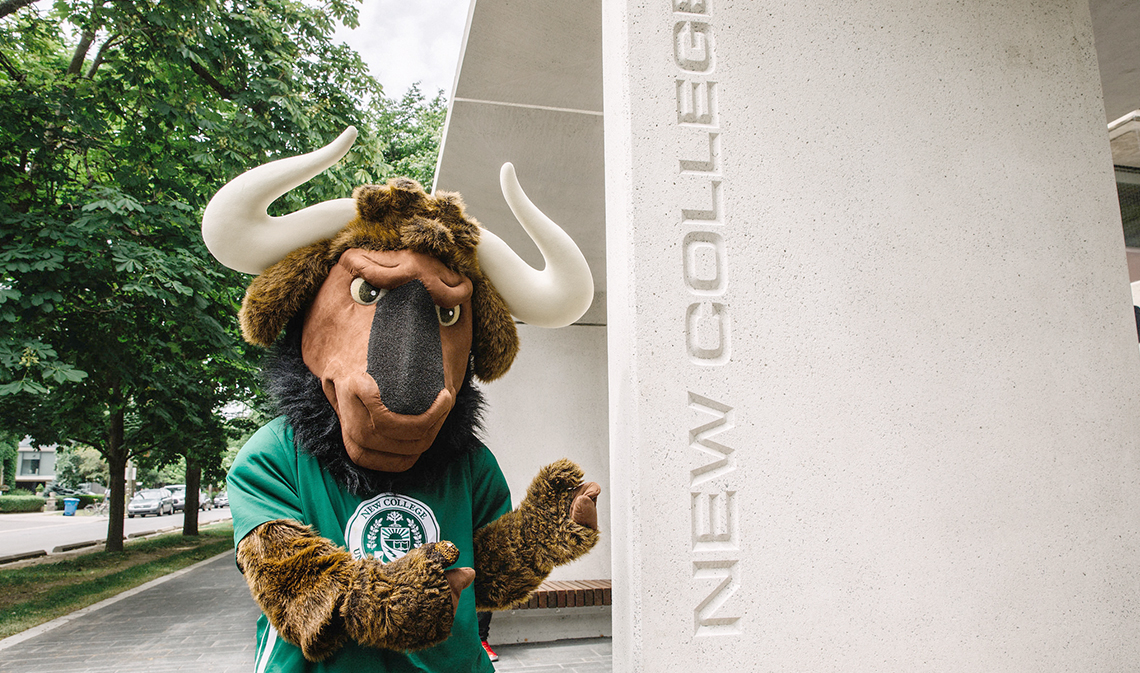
<point>490,653</point>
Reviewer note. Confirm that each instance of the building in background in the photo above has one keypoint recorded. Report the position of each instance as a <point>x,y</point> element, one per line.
<point>35,465</point>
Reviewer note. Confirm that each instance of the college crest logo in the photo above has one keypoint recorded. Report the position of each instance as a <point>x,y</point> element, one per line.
<point>389,526</point>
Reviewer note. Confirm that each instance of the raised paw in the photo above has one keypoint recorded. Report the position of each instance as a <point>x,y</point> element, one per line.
<point>561,475</point>
<point>558,489</point>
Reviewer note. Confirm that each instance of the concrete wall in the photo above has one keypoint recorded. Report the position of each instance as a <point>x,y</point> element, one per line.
<point>551,405</point>
<point>873,371</point>
<point>1115,24</point>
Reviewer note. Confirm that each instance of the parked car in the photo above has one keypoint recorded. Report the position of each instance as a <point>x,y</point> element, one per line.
<point>156,501</point>
<point>178,492</point>
<point>63,491</point>
<point>221,500</point>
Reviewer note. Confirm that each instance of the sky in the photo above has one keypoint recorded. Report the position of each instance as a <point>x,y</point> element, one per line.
<point>408,41</point>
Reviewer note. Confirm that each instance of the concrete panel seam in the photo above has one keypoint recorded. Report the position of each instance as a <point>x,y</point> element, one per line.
<point>595,113</point>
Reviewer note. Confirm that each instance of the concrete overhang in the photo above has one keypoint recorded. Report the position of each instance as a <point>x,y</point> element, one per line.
<point>1116,29</point>
<point>529,91</point>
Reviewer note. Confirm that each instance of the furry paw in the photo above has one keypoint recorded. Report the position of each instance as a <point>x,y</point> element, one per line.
<point>555,523</point>
<point>408,604</point>
<point>444,553</point>
<point>556,486</point>
<point>297,579</point>
<point>562,511</point>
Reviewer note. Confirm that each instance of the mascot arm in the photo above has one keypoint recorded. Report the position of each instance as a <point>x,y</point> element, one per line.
<point>556,523</point>
<point>318,597</point>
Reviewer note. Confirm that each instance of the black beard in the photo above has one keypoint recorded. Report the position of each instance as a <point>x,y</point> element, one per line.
<point>298,395</point>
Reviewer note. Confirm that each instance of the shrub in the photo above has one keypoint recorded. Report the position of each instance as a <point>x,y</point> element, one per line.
<point>21,503</point>
<point>84,500</point>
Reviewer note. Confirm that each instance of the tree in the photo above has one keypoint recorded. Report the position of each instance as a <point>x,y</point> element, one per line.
<point>409,132</point>
<point>121,119</point>
<point>199,442</point>
<point>9,451</point>
<point>77,465</point>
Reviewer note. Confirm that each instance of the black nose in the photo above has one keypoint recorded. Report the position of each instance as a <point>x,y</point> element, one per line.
<point>405,355</point>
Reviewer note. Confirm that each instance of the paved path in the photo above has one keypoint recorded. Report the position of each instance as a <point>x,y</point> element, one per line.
<point>588,655</point>
<point>202,619</point>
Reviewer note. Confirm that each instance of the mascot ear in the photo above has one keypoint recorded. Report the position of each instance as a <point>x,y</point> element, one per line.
<point>283,291</point>
<point>495,341</point>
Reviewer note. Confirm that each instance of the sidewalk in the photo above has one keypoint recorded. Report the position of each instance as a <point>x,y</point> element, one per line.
<point>588,655</point>
<point>201,619</point>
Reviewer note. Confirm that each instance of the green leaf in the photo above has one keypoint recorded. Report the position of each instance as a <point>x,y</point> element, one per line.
<point>22,387</point>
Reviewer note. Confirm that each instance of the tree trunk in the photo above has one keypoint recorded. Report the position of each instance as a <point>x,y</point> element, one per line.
<point>9,6</point>
<point>100,55</point>
<point>117,465</point>
<point>80,54</point>
<point>193,483</point>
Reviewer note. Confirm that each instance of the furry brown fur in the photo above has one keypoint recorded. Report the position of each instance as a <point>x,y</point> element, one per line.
<point>395,216</point>
<point>283,291</point>
<point>515,553</point>
<point>317,596</point>
<point>299,580</point>
<point>402,605</point>
<point>495,341</point>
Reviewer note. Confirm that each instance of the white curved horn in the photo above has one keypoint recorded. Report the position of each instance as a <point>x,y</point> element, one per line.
<point>242,236</point>
<point>554,297</point>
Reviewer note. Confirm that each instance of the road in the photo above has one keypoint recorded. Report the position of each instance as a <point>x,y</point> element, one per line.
<point>45,531</point>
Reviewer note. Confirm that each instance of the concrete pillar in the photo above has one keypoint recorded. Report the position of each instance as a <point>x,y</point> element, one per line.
<point>873,372</point>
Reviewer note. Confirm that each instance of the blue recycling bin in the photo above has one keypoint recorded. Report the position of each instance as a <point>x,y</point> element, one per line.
<point>69,506</point>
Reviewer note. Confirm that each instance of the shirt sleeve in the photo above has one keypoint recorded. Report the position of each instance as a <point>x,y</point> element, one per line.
<point>262,483</point>
<point>490,495</point>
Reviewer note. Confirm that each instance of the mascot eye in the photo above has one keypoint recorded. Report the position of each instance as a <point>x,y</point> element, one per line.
<point>365,293</point>
<point>447,316</point>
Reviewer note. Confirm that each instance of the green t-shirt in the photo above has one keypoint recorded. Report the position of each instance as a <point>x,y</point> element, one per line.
<point>271,479</point>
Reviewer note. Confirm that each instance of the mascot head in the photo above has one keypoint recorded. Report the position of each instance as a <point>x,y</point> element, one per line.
<point>396,291</point>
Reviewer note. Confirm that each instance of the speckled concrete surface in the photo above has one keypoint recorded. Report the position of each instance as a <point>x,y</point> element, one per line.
<point>873,399</point>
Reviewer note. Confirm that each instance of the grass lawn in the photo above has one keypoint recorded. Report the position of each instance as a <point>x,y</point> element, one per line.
<point>38,593</point>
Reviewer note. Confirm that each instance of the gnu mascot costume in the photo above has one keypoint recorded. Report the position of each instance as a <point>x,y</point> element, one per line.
<point>366,512</point>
